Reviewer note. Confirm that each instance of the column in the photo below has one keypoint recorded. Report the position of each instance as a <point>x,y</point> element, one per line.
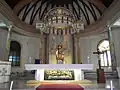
<point>46,50</point>
<point>42,59</point>
<point>8,41</point>
<point>66,49</point>
<point>112,49</point>
<point>77,48</point>
<point>73,50</point>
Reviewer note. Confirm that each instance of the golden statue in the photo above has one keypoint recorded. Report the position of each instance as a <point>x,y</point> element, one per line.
<point>59,54</point>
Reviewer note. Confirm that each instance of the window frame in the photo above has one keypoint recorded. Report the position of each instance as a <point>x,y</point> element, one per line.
<point>106,56</point>
<point>15,54</point>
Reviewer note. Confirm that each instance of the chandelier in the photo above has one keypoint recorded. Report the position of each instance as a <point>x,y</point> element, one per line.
<point>60,19</point>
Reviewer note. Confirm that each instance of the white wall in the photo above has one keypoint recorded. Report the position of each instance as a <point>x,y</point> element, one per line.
<point>29,48</point>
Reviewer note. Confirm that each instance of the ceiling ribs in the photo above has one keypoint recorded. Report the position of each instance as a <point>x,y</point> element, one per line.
<point>87,16</point>
<point>25,12</point>
<point>50,4</point>
<point>91,11</point>
<point>45,10</point>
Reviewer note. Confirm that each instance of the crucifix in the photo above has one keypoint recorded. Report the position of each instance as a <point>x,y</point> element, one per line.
<point>98,54</point>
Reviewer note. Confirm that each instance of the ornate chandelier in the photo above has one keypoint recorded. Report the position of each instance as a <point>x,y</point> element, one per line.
<point>60,19</point>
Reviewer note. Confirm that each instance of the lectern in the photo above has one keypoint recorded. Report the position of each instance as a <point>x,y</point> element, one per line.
<point>100,75</point>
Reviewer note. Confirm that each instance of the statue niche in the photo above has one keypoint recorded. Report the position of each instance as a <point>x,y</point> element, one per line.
<point>60,54</point>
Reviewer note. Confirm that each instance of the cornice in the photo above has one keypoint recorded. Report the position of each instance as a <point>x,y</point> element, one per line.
<point>98,4</point>
<point>21,4</point>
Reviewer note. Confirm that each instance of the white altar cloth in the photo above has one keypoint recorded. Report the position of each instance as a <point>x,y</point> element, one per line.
<point>78,69</point>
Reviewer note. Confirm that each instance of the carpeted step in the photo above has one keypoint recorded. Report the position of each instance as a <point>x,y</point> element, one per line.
<point>93,75</point>
<point>59,87</point>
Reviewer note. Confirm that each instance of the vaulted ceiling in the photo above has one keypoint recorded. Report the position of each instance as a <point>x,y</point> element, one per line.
<point>36,9</point>
<point>32,11</point>
<point>93,10</point>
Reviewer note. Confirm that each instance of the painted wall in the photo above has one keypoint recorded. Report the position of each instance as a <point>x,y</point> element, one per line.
<point>88,46</point>
<point>116,41</point>
<point>66,42</point>
<point>3,38</point>
<point>29,48</point>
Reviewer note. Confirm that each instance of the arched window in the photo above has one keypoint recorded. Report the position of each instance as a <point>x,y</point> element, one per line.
<point>14,54</point>
<point>106,56</point>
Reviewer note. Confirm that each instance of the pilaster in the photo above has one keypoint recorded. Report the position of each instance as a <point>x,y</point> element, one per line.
<point>8,41</point>
<point>77,48</point>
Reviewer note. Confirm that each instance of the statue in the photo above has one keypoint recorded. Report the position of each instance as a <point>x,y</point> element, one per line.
<point>59,54</point>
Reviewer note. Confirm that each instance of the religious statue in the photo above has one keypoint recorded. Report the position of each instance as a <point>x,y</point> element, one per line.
<point>59,54</point>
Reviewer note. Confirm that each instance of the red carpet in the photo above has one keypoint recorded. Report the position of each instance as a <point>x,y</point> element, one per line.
<point>59,87</point>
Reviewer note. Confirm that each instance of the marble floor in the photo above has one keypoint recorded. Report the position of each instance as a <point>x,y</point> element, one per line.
<point>20,84</point>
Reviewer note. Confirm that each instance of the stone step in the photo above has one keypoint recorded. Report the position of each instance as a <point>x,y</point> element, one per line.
<point>93,75</point>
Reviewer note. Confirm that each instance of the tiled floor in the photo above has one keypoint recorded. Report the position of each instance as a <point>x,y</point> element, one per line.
<point>20,84</point>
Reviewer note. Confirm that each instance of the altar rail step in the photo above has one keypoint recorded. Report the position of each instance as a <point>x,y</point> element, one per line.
<point>26,75</point>
<point>93,75</point>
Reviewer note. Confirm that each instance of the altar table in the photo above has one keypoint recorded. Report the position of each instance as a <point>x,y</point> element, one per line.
<point>77,68</point>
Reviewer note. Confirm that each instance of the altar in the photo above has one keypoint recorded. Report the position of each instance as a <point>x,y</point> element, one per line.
<point>59,71</point>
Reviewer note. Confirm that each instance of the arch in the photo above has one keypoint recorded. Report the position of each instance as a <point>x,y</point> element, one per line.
<point>105,57</point>
<point>101,42</point>
<point>15,53</point>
